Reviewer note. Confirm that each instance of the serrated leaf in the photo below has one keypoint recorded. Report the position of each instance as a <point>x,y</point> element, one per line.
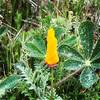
<point>86,32</point>
<point>88,77</point>
<point>72,64</point>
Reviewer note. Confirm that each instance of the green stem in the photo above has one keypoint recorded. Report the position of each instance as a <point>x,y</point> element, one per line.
<point>10,62</point>
<point>52,84</point>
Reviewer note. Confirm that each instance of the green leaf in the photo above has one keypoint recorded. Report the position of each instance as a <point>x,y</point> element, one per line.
<point>50,6</point>
<point>69,40</point>
<point>9,83</point>
<point>67,51</point>
<point>2,29</point>
<point>88,78</point>
<point>96,51</point>
<point>79,7</point>
<point>18,19</point>
<point>96,65</point>
<point>96,57</point>
<point>26,74</point>
<point>72,64</point>
<point>86,31</point>
<point>33,51</point>
<point>38,42</point>
<point>58,31</point>
<point>36,48</point>
<point>46,21</point>
<point>36,80</point>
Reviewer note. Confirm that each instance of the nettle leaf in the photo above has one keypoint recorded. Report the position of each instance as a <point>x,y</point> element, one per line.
<point>72,64</point>
<point>88,77</point>
<point>67,51</point>
<point>86,31</point>
<point>36,48</point>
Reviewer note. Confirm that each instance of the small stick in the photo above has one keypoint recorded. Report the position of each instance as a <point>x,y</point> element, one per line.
<point>67,77</point>
<point>9,26</point>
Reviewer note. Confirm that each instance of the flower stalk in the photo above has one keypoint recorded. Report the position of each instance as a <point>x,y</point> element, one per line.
<point>52,84</point>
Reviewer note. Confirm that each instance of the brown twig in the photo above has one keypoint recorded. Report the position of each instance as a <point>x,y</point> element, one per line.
<point>18,33</point>
<point>67,77</point>
<point>31,22</point>
<point>9,26</point>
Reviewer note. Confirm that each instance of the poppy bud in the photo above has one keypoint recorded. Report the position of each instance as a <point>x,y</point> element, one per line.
<point>51,54</point>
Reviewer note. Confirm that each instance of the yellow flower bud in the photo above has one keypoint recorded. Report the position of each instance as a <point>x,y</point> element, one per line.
<point>51,53</point>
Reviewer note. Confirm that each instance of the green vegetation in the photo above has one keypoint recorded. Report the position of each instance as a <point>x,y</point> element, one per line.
<point>24,25</point>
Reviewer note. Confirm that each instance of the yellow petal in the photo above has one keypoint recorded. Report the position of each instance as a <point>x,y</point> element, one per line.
<point>51,53</point>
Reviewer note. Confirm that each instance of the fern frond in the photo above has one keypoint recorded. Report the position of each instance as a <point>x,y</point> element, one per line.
<point>26,74</point>
<point>36,80</point>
